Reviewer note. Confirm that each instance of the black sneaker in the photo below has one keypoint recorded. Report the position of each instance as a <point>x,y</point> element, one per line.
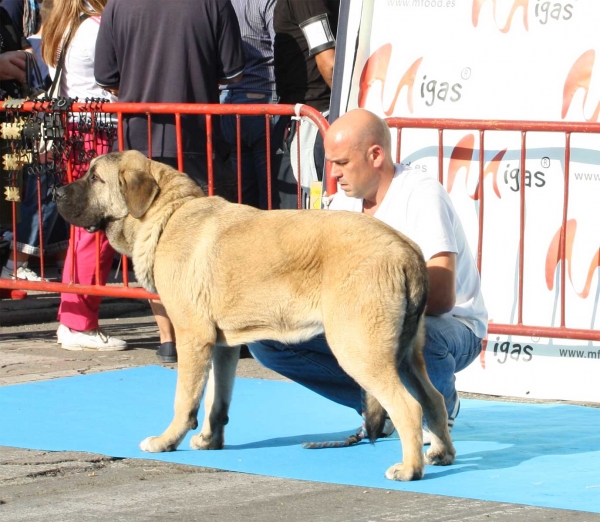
<point>167,353</point>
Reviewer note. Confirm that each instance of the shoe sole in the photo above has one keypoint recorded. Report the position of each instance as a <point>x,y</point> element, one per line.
<point>5,275</point>
<point>79,348</point>
<point>166,359</point>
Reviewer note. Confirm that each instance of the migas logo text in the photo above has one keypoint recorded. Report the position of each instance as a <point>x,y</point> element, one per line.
<point>462,158</point>
<point>544,12</point>
<point>431,90</point>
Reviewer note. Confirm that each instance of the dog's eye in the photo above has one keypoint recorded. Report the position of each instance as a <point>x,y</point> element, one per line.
<point>93,178</point>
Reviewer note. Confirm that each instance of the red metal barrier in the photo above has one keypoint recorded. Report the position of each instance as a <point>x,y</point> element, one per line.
<point>149,109</point>
<point>523,127</point>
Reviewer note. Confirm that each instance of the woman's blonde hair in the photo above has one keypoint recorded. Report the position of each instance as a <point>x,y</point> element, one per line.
<point>63,19</point>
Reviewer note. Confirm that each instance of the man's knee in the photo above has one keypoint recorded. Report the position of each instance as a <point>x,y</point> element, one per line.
<point>266,352</point>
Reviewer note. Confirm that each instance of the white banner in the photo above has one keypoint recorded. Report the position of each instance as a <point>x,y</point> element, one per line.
<point>509,60</point>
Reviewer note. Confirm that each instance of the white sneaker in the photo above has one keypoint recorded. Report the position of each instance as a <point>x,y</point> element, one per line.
<point>427,433</point>
<point>88,340</point>
<point>22,273</point>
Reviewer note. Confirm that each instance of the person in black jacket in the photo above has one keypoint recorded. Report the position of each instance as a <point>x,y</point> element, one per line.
<point>178,51</point>
<point>305,32</point>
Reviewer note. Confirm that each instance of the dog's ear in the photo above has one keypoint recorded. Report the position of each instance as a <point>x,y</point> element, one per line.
<point>139,188</point>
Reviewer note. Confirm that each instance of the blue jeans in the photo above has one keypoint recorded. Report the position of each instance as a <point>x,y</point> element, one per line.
<point>449,348</point>
<point>55,230</point>
<point>253,139</point>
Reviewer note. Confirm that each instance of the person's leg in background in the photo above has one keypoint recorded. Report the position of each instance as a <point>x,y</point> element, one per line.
<point>78,314</point>
<point>167,353</point>
<point>28,228</point>
<point>253,140</point>
<point>195,166</point>
<point>285,187</point>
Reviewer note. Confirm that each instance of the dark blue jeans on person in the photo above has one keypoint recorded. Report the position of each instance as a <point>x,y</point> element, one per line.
<point>253,139</point>
<point>450,347</point>
<point>54,229</point>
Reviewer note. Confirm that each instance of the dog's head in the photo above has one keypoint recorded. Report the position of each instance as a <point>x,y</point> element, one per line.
<point>117,185</point>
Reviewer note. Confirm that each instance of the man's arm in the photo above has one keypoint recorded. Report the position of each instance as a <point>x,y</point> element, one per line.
<point>442,283</point>
<point>325,61</point>
<point>231,58</point>
<point>106,68</point>
<point>319,36</point>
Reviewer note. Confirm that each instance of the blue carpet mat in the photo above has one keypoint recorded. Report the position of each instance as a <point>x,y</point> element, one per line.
<point>536,454</point>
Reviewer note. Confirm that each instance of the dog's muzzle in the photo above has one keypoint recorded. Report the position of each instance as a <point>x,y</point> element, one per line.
<point>58,193</point>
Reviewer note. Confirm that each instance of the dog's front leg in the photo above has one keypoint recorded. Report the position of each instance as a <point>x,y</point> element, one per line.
<point>217,398</point>
<point>193,365</point>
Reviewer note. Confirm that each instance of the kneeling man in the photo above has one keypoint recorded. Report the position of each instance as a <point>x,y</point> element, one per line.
<point>358,145</point>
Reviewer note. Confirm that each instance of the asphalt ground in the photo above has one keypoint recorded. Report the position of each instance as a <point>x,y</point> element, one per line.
<point>69,486</point>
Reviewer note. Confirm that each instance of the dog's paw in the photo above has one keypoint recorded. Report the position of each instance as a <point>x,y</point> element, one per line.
<point>403,473</point>
<point>437,457</point>
<point>156,445</point>
<point>200,442</point>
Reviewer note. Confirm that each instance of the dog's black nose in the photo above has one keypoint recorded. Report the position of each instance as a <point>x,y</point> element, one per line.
<point>58,193</point>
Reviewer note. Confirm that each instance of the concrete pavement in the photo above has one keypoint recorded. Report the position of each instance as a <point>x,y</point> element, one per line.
<point>69,486</point>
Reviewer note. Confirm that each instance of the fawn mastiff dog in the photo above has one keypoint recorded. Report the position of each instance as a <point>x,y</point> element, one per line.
<point>229,274</point>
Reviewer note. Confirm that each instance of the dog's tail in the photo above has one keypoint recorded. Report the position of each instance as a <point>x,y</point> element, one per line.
<point>416,291</point>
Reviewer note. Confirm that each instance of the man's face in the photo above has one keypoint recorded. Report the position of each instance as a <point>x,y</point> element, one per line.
<point>351,167</point>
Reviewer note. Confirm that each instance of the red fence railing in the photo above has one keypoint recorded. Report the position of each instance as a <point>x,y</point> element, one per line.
<point>523,127</point>
<point>269,111</point>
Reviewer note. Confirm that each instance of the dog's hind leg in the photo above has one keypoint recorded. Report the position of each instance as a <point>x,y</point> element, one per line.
<point>217,398</point>
<point>414,374</point>
<point>194,356</point>
<point>370,360</point>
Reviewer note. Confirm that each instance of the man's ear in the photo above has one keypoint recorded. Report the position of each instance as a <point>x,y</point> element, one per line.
<point>139,189</point>
<point>377,155</point>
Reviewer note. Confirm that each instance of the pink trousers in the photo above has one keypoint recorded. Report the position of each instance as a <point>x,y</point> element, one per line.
<point>80,312</point>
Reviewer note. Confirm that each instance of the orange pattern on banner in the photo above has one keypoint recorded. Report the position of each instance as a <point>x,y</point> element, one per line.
<point>553,258</point>
<point>462,155</point>
<point>478,4</point>
<point>376,68</point>
<point>579,77</point>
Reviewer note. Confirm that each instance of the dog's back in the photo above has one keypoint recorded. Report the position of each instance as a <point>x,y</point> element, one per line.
<point>298,264</point>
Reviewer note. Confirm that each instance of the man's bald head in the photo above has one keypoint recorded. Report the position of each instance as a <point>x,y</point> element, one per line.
<point>358,148</point>
<point>360,129</point>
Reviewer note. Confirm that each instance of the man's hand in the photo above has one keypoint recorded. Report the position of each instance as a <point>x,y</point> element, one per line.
<point>235,79</point>
<point>326,200</point>
<point>12,66</point>
<point>442,283</point>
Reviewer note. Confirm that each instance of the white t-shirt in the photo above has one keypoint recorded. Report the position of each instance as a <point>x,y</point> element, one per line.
<point>419,207</point>
<point>78,74</point>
